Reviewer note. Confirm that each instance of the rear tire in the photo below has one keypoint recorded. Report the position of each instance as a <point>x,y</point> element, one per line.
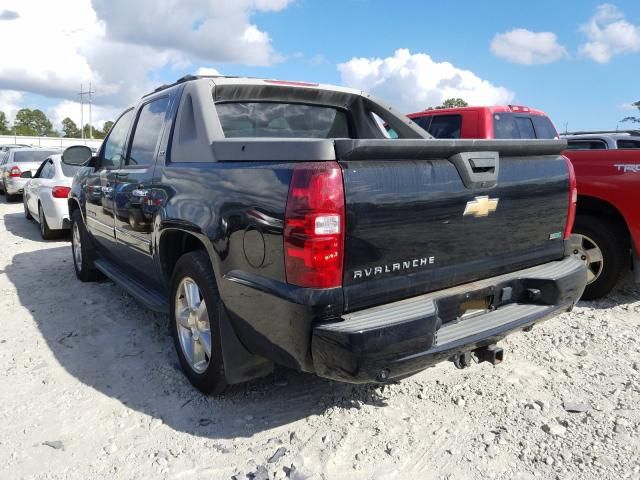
<point>595,238</point>
<point>195,323</point>
<point>45,231</point>
<point>27,213</point>
<point>82,251</point>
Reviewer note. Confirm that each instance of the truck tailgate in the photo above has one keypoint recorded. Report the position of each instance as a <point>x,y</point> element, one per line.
<point>415,224</point>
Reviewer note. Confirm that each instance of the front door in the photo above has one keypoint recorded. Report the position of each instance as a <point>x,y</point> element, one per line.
<point>133,199</point>
<point>100,184</point>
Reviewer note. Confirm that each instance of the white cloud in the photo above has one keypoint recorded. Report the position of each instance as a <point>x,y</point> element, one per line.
<point>415,81</point>
<point>120,46</point>
<point>207,71</point>
<point>67,108</point>
<point>10,103</point>
<point>528,48</point>
<point>609,34</point>
<point>219,31</point>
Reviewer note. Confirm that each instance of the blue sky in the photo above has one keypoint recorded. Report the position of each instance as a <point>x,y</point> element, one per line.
<point>577,91</point>
<point>309,39</point>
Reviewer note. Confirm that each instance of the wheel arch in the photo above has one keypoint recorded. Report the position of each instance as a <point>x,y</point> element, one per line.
<point>74,205</point>
<point>172,244</point>
<point>597,207</point>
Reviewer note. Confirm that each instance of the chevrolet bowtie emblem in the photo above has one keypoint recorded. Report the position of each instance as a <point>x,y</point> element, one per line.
<point>481,207</point>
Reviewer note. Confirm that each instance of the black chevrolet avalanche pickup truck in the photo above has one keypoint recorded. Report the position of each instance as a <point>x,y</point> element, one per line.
<point>275,222</point>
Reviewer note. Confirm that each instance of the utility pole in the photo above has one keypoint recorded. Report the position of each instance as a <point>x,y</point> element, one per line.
<point>82,94</point>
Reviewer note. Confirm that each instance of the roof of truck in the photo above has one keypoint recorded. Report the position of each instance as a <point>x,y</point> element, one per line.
<point>490,108</point>
<point>232,80</point>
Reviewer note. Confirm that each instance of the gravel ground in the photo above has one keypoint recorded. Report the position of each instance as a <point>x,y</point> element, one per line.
<point>90,388</point>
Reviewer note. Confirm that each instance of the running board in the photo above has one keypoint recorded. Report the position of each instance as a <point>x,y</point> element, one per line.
<point>150,298</point>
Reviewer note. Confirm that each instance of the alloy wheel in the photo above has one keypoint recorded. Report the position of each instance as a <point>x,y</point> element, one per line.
<point>588,252</point>
<point>76,243</point>
<point>194,330</point>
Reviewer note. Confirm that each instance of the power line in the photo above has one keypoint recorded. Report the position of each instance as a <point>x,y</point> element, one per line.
<point>82,94</point>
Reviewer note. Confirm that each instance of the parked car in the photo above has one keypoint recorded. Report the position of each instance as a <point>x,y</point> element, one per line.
<point>45,196</point>
<point>15,163</point>
<point>275,223</point>
<point>607,229</point>
<point>4,153</point>
<point>507,121</point>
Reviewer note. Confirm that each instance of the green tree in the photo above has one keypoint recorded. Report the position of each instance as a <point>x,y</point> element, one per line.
<point>33,123</point>
<point>453,103</point>
<point>106,128</point>
<point>633,119</point>
<point>4,124</point>
<point>70,129</point>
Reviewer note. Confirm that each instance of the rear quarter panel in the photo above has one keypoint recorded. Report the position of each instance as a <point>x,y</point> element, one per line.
<point>612,176</point>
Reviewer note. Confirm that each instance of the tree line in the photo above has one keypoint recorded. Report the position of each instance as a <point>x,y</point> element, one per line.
<point>34,123</point>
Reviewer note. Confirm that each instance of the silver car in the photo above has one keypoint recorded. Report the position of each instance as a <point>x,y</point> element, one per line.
<point>17,161</point>
<point>45,196</point>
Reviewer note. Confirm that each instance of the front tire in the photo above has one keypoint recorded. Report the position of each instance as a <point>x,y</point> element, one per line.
<point>45,231</point>
<point>82,250</point>
<point>600,245</point>
<point>194,322</point>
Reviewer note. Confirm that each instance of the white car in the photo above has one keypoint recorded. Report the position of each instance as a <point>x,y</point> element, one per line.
<point>45,196</point>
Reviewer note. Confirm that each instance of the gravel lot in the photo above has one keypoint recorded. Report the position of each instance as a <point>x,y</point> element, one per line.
<point>90,388</point>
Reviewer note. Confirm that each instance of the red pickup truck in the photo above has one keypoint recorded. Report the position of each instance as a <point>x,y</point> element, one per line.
<point>606,233</point>
<point>501,121</point>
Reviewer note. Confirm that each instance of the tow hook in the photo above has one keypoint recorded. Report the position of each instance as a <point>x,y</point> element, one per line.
<point>491,353</point>
<point>462,360</point>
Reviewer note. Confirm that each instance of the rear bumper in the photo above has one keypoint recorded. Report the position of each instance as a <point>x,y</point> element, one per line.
<point>15,185</point>
<point>403,337</point>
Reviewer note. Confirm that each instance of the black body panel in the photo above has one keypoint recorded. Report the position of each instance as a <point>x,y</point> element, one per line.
<point>404,201</point>
<point>398,338</point>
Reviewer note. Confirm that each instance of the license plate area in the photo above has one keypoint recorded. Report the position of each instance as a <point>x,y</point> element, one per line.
<point>466,304</point>
<point>475,306</point>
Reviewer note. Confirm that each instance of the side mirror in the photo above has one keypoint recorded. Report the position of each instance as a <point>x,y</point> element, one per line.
<point>26,174</point>
<point>77,155</point>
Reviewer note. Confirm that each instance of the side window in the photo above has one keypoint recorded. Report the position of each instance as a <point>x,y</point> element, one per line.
<point>47,170</point>
<point>525,126</point>
<point>147,133</point>
<point>586,145</point>
<point>446,126</point>
<point>114,145</point>
<point>628,144</point>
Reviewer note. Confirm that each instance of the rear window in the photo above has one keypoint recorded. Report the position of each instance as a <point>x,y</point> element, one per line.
<point>441,126</point>
<point>32,155</point>
<point>282,120</point>
<point>511,125</point>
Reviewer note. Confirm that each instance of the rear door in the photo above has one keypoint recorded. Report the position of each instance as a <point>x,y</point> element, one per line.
<point>100,184</point>
<point>133,202</point>
<point>46,171</point>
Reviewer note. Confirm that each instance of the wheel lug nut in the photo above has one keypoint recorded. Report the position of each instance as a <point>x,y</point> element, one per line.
<point>575,252</point>
<point>583,257</point>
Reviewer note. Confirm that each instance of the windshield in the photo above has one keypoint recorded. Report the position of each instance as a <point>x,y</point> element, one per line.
<point>32,155</point>
<point>282,120</point>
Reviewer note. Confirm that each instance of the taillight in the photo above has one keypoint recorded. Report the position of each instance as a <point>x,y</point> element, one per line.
<point>314,226</point>
<point>573,199</point>
<point>60,192</point>
<point>15,172</point>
